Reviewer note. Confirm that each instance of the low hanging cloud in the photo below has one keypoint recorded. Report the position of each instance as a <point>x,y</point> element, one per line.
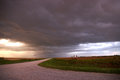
<point>60,22</point>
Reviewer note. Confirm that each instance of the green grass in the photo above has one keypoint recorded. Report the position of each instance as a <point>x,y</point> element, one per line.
<point>3,61</point>
<point>103,65</point>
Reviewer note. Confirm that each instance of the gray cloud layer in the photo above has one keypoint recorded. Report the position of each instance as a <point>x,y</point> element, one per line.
<point>60,22</point>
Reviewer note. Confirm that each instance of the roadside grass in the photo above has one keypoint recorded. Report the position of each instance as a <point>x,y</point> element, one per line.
<point>88,64</point>
<point>4,61</point>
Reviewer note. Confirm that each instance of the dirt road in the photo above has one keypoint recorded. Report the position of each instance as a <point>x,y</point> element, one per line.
<point>31,71</point>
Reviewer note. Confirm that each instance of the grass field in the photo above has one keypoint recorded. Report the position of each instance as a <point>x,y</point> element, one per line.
<point>110,64</point>
<point>15,60</point>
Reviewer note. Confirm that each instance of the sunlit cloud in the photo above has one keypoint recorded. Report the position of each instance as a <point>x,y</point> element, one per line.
<point>16,54</point>
<point>9,43</point>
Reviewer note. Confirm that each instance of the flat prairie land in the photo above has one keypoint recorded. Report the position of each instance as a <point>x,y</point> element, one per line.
<point>103,64</point>
<point>31,71</point>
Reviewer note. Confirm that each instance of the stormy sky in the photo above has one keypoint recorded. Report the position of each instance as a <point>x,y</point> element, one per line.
<point>60,22</point>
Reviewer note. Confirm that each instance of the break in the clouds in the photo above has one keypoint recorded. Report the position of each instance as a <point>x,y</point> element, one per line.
<point>59,22</point>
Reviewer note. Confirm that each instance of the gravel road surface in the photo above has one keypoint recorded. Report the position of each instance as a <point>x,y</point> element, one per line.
<point>31,71</point>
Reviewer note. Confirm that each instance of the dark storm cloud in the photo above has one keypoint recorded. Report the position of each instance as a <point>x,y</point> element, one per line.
<point>60,22</point>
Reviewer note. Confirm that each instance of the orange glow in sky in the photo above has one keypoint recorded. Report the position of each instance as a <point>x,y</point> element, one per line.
<point>9,43</point>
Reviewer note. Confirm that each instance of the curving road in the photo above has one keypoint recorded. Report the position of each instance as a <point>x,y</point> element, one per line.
<point>30,71</point>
